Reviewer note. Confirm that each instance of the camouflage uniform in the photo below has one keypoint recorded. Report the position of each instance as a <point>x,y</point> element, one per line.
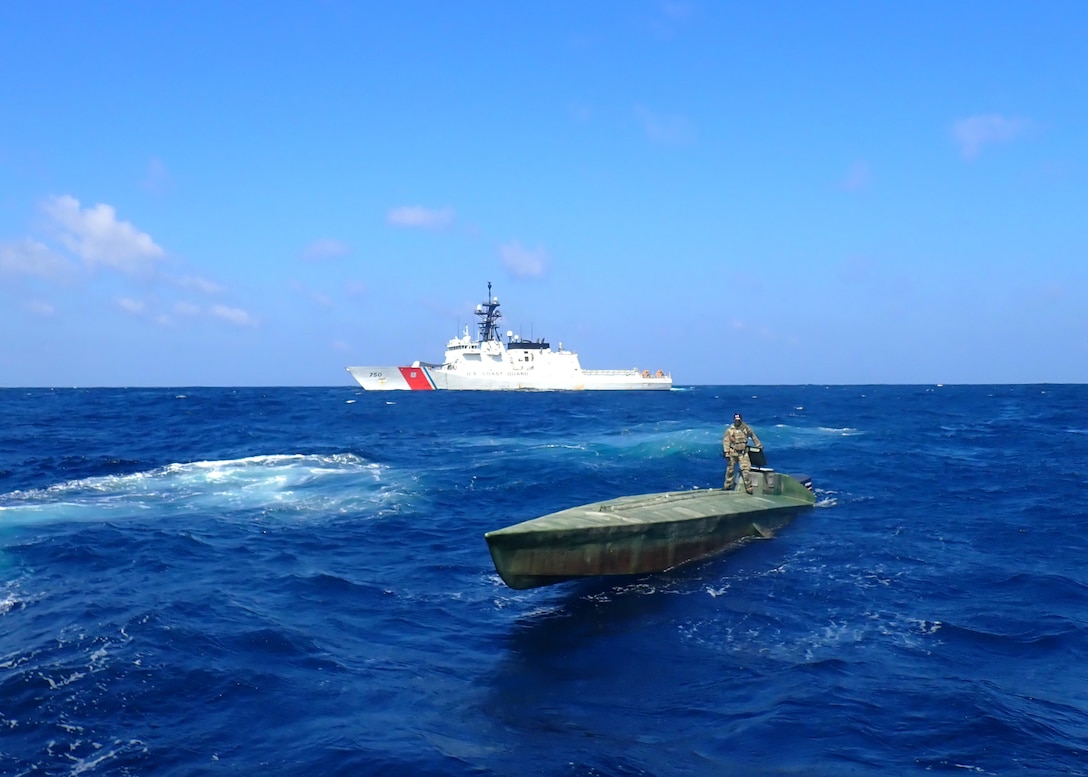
<point>735,450</point>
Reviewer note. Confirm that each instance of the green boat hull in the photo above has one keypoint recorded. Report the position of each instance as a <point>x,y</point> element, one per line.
<point>642,534</point>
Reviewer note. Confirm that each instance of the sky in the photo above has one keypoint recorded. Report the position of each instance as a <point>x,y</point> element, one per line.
<point>262,194</point>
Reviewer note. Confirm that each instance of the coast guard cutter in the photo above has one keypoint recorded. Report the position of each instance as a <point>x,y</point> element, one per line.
<point>488,364</point>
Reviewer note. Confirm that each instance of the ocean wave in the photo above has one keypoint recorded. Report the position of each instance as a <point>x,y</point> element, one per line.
<point>632,439</point>
<point>811,641</point>
<point>649,442</point>
<point>844,431</point>
<point>301,484</point>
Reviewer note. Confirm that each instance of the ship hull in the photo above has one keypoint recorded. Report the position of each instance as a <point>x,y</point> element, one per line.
<point>643,534</point>
<point>393,378</point>
<point>439,378</point>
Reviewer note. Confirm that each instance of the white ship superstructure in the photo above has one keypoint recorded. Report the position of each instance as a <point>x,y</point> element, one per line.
<point>488,364</point>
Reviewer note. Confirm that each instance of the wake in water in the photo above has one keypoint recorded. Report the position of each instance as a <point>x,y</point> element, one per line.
<point>296,486</point>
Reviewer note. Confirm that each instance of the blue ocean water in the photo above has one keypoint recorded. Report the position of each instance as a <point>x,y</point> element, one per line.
<point>295,582</point>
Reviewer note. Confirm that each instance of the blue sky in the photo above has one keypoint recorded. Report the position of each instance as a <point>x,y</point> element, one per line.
<point>207,193</point>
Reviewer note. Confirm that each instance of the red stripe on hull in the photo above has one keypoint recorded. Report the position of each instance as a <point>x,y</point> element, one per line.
<point>416,378</point>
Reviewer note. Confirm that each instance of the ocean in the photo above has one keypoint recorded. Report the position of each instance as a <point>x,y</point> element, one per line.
<point>294,581</point>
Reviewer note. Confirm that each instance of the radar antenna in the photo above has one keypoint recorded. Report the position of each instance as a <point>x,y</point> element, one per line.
<point>490,315</point>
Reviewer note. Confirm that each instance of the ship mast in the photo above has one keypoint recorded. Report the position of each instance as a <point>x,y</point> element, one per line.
<point>490,315</point>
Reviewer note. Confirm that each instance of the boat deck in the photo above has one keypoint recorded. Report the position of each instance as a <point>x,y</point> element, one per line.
<point>645,533</point>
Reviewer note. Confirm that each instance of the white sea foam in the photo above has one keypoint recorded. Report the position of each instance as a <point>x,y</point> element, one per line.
<point>102,754</point>
<point>821,639</point>
<point>7,604</point>
<point>299,483</point>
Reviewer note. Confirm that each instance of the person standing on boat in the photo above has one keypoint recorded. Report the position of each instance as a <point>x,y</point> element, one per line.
<point>735,450</point>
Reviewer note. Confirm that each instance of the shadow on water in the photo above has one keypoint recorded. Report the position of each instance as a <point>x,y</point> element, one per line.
<point>609,619</point>
<point>571,653</point>
<point>585,609</point>
<point>584,613</point>
<point>602,670</point>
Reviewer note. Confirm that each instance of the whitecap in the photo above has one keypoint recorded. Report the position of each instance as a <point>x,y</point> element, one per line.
<point>295,484</point>
<point>845,431</point>
<point>8,603</point>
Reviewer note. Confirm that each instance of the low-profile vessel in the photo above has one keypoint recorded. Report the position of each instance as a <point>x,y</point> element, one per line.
<point>634,535</point>
<point>488,364</point>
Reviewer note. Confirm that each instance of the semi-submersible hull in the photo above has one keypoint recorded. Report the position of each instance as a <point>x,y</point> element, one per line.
<point>647,533</point>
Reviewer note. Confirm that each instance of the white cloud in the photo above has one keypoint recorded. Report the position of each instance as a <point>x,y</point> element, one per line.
<point>29,257</point>
<point>129,305</point>
<point>316,297</point>
<point>522,262</point>
<point>202,285</point>
<point>233,315</point>
<point>96,236</point>
<point>975,132</point>
<point>325,248</point>
<point>186,309</point>
<point>673,130</point>
<point>419,217</point>
<point>40,308</point>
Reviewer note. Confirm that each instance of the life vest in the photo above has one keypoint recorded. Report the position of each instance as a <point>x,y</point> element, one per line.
<point>738,437</point>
